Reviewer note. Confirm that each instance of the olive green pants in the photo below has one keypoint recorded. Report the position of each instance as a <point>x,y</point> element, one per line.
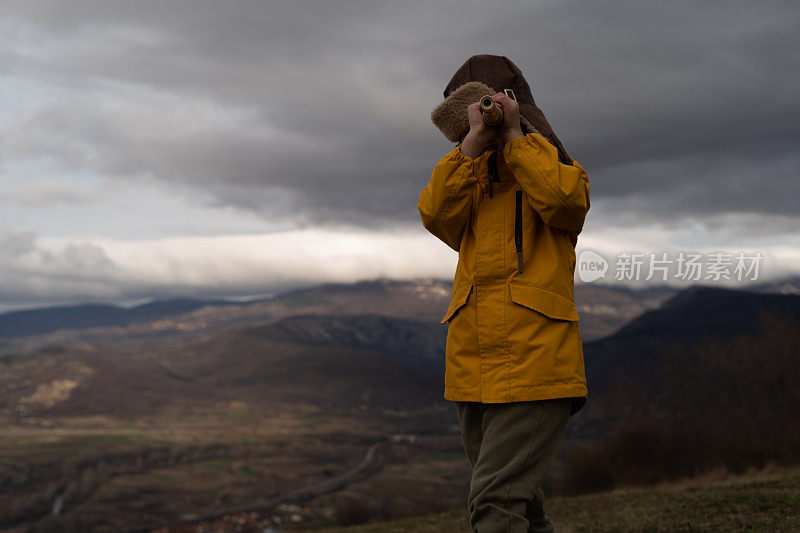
<point>511,447</point>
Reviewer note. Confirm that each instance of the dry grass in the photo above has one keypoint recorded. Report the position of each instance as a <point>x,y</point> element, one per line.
<point>766,500</point>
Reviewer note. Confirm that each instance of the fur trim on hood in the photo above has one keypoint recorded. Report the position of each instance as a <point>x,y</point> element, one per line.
<point>451,116</point>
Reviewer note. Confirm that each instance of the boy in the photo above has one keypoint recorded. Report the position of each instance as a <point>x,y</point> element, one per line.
<point>511,202</point>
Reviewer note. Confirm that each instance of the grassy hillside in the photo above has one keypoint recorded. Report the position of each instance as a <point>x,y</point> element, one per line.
<point>766,500</point>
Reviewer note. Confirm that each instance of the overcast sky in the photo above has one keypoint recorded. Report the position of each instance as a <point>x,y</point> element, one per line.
<point>238,148</point>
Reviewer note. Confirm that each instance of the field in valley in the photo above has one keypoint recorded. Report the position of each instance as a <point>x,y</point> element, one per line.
<point>296,466</point>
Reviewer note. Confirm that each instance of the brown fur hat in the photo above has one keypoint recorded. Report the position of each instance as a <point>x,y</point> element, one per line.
<point>490,74</point>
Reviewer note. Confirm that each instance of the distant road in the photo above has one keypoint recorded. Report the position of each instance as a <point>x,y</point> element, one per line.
<point>371,464</point>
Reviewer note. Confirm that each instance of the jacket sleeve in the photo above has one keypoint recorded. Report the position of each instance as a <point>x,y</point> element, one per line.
<point>558,192</point>
<point>445,203</point>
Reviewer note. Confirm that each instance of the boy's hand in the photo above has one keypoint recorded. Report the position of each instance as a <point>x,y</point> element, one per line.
<point>479,135</point>
<point>510,128</point>
<point>477,127</point>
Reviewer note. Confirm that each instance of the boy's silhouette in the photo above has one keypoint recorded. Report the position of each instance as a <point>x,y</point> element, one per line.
<point>511,202</point>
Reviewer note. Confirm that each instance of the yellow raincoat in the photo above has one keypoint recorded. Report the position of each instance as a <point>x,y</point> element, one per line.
<point>512,331</point>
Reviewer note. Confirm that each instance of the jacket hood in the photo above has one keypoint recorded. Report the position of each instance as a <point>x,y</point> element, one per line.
<point>489,74</point>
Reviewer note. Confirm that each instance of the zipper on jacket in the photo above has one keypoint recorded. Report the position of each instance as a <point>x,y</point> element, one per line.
<point>518,230</point>
<point>493,174</point>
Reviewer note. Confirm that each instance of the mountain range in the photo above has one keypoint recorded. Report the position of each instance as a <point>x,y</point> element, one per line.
<point>376,342</point>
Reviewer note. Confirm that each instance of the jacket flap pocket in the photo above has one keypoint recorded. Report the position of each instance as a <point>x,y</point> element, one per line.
<point>457,301</point>
<point>544,301</point>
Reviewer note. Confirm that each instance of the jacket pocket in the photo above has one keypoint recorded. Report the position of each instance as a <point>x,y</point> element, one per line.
<point>544,301</point>
<point>457,301</point>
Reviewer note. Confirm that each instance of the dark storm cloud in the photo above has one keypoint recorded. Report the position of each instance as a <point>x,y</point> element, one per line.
<point>320,110</point>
